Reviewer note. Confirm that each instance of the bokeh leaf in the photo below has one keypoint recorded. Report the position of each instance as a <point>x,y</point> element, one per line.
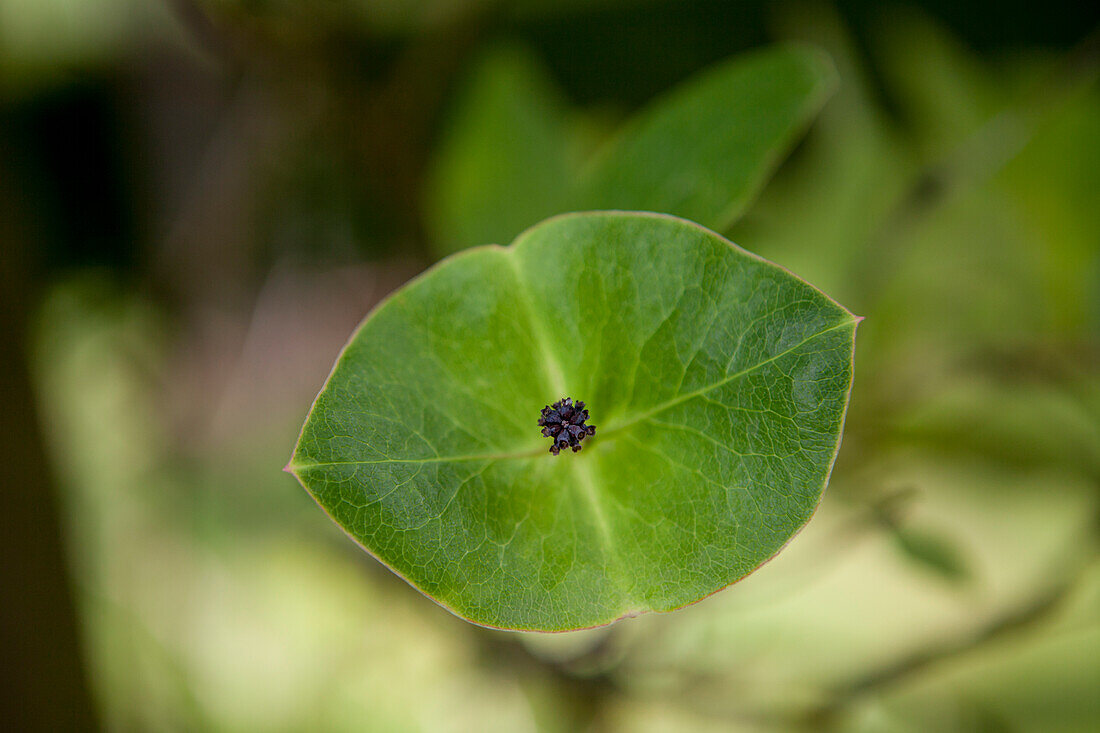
<point>932,551</point>
<point>702,152</point>
<point>507,158</point>
<point>705,150</point>
<point>718,383</point>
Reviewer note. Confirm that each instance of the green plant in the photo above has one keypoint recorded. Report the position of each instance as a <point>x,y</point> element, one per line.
<point>717,382</point>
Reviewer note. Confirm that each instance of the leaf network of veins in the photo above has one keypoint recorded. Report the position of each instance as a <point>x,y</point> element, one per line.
<point>611,429</point>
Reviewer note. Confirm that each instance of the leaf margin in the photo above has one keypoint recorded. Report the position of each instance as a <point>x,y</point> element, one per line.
<point>507,250</point>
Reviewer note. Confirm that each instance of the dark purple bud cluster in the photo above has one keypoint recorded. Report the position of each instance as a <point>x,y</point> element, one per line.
<point>564,422</point>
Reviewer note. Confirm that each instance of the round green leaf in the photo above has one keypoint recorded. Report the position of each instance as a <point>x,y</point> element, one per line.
<point>717,381</point>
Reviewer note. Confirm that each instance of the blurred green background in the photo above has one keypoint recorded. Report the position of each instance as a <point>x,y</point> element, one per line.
<point>200,200</point>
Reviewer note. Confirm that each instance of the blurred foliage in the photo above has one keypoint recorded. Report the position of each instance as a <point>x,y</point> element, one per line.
<point>510,156</point>
<point>201,242</point>
<point>41,41</point>
<point>702,151</point>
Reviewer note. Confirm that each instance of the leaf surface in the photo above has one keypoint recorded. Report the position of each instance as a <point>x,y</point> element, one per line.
<point>717,381</point>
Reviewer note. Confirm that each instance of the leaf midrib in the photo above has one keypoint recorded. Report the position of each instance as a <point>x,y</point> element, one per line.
<point>555,376</point>
<point>612,429</point>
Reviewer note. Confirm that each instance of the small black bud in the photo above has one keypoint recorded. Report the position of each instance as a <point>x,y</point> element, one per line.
<point>565,423</point>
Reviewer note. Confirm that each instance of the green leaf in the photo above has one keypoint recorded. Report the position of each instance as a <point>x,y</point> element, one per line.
<point>933,551</point>
<point>506,161</point>
<point>707,149</point>
<point>717,381</point>
<point>703,151</point>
